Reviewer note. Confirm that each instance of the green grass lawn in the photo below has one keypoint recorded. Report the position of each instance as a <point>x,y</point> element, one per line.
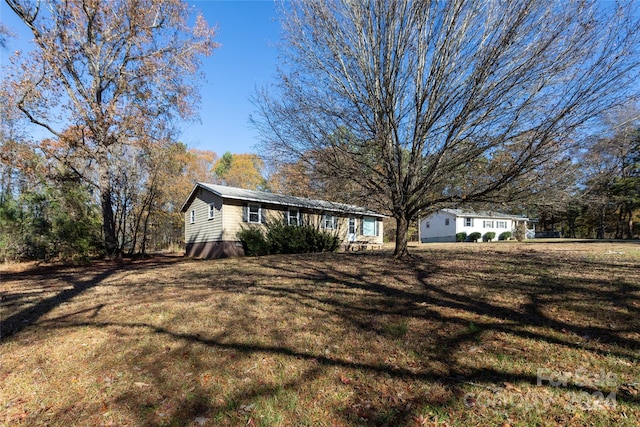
<point>464,334</point>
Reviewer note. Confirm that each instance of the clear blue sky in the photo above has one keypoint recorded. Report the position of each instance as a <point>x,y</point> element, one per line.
<point>248,31</point>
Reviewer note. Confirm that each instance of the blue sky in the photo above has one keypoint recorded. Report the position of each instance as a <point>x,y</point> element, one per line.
<point>248,31</point>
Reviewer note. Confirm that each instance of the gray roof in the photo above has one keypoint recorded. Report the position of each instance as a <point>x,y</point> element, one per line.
<point>242,194</point>
<point>484,214</point>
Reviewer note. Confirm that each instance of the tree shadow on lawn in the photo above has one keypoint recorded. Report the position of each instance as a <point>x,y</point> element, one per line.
<point>38,291</point>
<point>366,292</point>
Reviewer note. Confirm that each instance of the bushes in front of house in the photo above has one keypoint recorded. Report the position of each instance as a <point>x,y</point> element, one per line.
<point>253,241</point>
<point>505,235</point>
<point>474,237</point>
<point>461,237</point>
<point>488,236</point>
<point>280,238</point>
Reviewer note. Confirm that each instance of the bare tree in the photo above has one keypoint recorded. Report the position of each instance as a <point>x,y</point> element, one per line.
<point>433,103</point>
<point>119,71</point>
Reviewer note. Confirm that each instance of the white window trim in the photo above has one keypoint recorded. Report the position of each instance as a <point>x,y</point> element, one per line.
<point>468,222</point>
<point>446,221</point>
<point>212,210</point>
<point>296,216</point>
<point>332,222</point>
<point>376,227</point>
<point>352,227</point>
<point>192,216</point>
<point>249,213</point>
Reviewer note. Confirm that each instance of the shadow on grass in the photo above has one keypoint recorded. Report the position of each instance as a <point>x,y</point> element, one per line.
<point>366,292</point>
<point>28,302</point>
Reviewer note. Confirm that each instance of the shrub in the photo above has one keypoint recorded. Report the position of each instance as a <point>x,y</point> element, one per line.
<point>474,237</point>
<point>488,236</point>
<point>281,238</point>
<point>253,241</point>
<point>461,237</point>
<point>505,235</point>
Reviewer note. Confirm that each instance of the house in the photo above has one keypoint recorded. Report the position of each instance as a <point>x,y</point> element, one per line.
<point>215,213</point>
<point>443,225</point>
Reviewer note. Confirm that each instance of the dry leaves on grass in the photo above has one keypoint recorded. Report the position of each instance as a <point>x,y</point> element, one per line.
<point>329,339</point>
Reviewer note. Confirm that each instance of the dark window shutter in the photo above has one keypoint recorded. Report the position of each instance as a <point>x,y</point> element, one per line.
<point>263,214</point>
<point>245,213</point>
<point>286,217</point>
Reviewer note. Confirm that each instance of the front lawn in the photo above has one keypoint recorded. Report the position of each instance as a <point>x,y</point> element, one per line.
<point>460,334</point>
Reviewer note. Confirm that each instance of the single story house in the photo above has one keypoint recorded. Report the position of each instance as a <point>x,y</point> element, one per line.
<point>215,213</point>
<point>443,225</point>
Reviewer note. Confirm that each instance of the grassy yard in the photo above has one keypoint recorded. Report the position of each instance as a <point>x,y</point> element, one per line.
<point>460,334</point>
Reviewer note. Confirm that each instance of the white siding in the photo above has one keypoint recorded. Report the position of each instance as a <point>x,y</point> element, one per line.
<point>479,225</point>
<point>438,230</point>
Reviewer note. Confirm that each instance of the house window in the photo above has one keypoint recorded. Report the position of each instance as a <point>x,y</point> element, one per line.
<point>369,227</point>
<point>293,217</point>
<point>487,224</point>
<point>212,210</point>
<point>468,222</point>
<point>193,216</point>
<point>427,225</point>
<point>329,221</point>
<point>446,221</point>
<point>254,214</point>
<point>501,224</point>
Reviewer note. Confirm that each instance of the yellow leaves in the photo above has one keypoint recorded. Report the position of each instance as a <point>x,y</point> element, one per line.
<point>240,170</point>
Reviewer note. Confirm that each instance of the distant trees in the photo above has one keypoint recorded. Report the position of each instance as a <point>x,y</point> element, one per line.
<point>115,75</point>
<point>427,104</point>
<point>604,202</point>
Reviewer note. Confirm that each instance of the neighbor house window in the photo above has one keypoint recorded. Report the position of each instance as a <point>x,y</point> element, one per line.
<point>193,216</point>
<point>487,224</point>
<point>468,222</point>
<point>329,221</point>
<point>293,217</point>
<point>369,227</point>
<point>254,214</point>
<point>212,211</point>
<point>446,221</point>
<point>427,225</point>
<point>501,224</point>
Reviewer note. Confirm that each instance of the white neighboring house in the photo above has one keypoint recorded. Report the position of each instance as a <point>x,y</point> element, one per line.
<point>443,225</point>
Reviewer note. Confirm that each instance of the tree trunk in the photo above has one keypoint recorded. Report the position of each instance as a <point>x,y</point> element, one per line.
<point>601,228</point>
<point>108,225</point>
<point>402,227</point>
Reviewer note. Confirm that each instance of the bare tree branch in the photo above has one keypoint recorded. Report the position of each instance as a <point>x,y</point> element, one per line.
<point>445,103</point>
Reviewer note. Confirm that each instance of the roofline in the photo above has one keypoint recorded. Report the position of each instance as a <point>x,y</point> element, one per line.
<point>338,206</point>
<point>471,214</point>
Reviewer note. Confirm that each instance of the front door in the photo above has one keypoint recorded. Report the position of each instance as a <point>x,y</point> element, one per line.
<point>351,236</point>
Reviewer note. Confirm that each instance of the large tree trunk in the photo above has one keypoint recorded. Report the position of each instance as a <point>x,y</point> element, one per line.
<point>402,228</point>
<point>108,225</point>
